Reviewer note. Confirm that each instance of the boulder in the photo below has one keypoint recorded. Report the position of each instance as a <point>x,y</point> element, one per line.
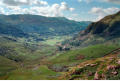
<point>115,73</point>
<point>111,67</point>
<point>92,65</point>
<point>90,73</point>
<point>118,62</point>
<point>96,76</point>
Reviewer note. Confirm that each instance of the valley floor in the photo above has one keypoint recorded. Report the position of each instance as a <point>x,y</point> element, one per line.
<point>74,64</point>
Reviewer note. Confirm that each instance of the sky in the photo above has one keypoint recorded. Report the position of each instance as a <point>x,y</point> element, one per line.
<point>78,10</point>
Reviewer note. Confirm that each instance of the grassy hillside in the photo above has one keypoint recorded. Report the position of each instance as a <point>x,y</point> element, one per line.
<point>105,68</point>
<point>62,61</point>
<point>87,53</point>
<point>38,73</point>
<point>50,66</point>
<point>21,52</point>
<point>23,61</point>
<point>6,66</point>
<point>11,70</point>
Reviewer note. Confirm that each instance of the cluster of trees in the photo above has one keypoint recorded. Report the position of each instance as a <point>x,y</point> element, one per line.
<point>63,47</point>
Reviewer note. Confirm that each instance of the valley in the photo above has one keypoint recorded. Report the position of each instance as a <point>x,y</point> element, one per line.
<point>54,48</point>
<point>25,50</point>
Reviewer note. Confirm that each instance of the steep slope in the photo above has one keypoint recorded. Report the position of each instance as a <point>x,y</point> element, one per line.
<point>105,68</point>
<point>105,30</point>
<point>8,29</point>
<point>42,25</point>
<point>108,26</point>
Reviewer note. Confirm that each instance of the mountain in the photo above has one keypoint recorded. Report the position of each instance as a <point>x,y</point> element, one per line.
<point>8,29</point>
<point>108,26</point>
<point>39,24</point>
<point>105,30</point>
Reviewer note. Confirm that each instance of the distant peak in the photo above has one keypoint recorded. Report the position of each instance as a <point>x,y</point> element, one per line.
<point>118,12</point>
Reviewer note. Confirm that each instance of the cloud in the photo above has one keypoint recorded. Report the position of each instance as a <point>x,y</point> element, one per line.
<point>80,0</point>
<point>101,12</point>
<point>109,1</point>
<point>64,6</point>
<point>53,10</point>
<point>87,1</point>
<point>23,2</point>
<point>2,10</point>
<point>113,1</point>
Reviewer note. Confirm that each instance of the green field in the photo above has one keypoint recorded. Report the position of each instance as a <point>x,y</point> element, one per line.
<point>38,73</point>
<point>56,39</point>
<point>87,53</point>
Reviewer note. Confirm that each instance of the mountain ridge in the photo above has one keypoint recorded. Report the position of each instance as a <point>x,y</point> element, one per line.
<point>105,30</point>
<point>43,25</point>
